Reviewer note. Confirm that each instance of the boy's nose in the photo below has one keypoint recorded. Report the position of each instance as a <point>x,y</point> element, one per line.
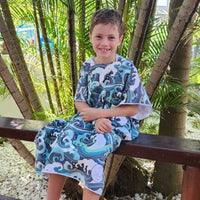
<point>105,42</point>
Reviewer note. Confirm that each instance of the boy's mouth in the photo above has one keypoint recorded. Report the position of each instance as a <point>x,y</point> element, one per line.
<point>103,50</point>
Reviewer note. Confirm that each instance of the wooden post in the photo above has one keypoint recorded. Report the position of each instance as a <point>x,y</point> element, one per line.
<point>191,184</point>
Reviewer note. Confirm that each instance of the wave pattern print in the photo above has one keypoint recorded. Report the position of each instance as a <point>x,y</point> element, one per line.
<point>72,147</point>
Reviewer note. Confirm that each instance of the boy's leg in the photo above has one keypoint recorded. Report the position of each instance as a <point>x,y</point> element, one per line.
<point>89,195</point>
<point>55,185</point>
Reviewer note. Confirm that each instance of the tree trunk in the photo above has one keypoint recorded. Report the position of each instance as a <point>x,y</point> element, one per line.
<point>24,108</point>
<point>172,121</point>
<point>138,41</point>
<point>121,6</point>
<point>23,151</point>
<point>72,45</point>
<point>72,187</point>
<point>14,91</point>
<point>98,4</point>
<point>13,46</point>
<point>49,56</point>
<point>123,9</point>
<point>82,33</point>
<point>30,99</point>
<point>131,178</point>
<point>181,22</point>
<point>57,58</point>
<point>113,163</point>
<point>42,58</point>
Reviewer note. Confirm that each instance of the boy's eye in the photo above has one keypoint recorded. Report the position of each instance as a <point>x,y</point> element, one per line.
<point>111,38</point>
<point>98,36</point>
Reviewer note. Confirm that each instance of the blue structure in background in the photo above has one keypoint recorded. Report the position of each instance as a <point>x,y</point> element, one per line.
<point>27,32</point>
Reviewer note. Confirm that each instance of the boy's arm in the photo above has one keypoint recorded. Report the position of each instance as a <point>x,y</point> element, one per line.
<point>121,111</point>
<point>91,114</point>
<point>80,105</point>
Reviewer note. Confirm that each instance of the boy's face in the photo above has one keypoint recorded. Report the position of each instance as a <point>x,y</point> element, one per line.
<point>105,40</point>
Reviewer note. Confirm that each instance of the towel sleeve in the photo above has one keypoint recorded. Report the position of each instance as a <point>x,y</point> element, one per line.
<point>135,94</point>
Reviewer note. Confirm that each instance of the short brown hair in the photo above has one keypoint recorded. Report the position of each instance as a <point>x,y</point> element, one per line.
<point>106,16</point>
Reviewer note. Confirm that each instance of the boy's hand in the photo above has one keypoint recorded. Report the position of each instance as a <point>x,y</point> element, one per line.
<point>103,125</point>
<point>89,114</point>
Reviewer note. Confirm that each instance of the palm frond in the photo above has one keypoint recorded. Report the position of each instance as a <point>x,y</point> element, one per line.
<point>23,12</point>
<point>169,94</point>
<point>155,41</point>
<point>3,89</point>
<point>194,102</point>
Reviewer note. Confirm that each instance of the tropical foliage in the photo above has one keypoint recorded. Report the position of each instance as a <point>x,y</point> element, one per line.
<point>53,57</point>
<point>58,77</point>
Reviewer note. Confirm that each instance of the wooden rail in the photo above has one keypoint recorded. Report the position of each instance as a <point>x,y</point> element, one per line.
<point>7,198</point>
<point>148,146</point>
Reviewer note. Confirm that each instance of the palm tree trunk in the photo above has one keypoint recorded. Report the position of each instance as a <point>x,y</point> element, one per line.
<point>72,45</point>
<point>23,151</point>
<point>58,64</point>
<point>121,6</point>
<point>14,91</point>
<point>179,26</point>
<point>56,49</point>
<point>71,185</point>
<point>49,56</point>
<point>30,99</point>
<point>82,32</point>
<point>98,4</point>
<point>57,58</point>
<point>172,121</point>
<point>24,108</point>
<point>121,9</point>
<point>42,59</point>
<point>113,163</point>
<point>138,41</point>
<point>12,43</point>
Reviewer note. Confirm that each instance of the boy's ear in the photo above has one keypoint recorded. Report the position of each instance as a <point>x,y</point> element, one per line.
<point>121,38</point>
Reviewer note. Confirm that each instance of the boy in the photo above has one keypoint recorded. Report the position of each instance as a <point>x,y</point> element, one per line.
<point>110,100</point>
